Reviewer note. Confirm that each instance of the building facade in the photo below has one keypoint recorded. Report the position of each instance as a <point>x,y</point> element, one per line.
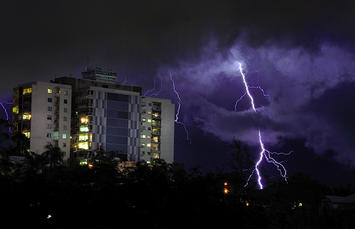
<point>157,129</point>
<point>95,114</point>
<point>41,111</point>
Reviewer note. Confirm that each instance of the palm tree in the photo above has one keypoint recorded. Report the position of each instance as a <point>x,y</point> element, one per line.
<point>53,155</point>
<point>21,144</point>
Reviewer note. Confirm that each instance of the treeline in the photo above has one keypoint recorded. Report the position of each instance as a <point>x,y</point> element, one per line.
<point>41,191</point>
<point>157,195</point>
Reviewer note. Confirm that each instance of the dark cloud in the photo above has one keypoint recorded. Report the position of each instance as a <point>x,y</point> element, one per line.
<point>300,52</point>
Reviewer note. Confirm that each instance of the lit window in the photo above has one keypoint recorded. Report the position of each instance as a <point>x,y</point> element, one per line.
<point>15,110</point>
<point>148,144</point>
<point>84,120</point>
<point>143,119</point>
<point>83,145</point>
<point>84,128</point>
<point>148,136</point>
<point>27,91</point>
<point>142,144</point>
<point>149,112</point>
<point>156,115</point>
<point>83,162</point>
<point>27,133</point>
<point>155,139</point>
<point>65,92</point>
<point>26,116</point>
<point>149,120</point>
<point>64,136</point>
<point>155,156</point>
<point>143,136</point>
<point>83,137</point>
<point>50,91</point>
<point>55,135</point>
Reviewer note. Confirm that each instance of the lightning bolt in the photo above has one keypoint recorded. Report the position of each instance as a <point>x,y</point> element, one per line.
<point>160,88</point>
<point>7,114</point>
<point>178,109</point>
<point>264,153</point>
<point>150,91</point>
<point>241,97</point>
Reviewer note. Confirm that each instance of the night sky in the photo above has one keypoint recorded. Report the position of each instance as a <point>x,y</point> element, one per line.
<point>300,52</point>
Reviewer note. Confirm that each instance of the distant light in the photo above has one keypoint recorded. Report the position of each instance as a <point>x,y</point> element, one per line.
<point>90,166</point>
<point>300,204</point>
<point>226,191</point>
<point>49,216</point>
<point>247,204</point>
<point>225,183</point>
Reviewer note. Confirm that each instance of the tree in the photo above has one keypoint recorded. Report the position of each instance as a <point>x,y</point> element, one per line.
<point>53,155</point>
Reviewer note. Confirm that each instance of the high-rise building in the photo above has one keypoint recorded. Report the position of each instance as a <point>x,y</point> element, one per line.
<point>157,129</point>
<point>41,111</point>
<point>95,113</point>
<point>106,116</point>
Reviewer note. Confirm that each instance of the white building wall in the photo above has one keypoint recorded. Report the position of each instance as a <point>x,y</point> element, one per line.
<point>43,129</point>
<point>167,129</point>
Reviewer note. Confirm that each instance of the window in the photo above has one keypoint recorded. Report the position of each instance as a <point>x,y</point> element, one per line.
<point>149,120</point>
<point>49,135</point>
<point>65,118</point>
<point>83,137</point>
<point>84,120</point>
<point>65,101</point>
<point>50,90</point>
<point>49,108</point>
<point>83,145</point>
<point>27,91</point>
<point>65,110</point>
<point>148,144</point>
<point>49,126</point>
<point>15,110</point>
<point>155,139</point>
<point>143,119</point>
<point>55,135</point>
<point>65,92</point>
<point>64,127</point>
<point>49,117</point>
<point>26,116</point>
<point>49,100</point>
<point>142,144</point>
<point>143,136</point>
<point>64,136</point>
<point>27,133</point>
<point>84,128</point>
<point>149,112</point>
<point>64,144</point>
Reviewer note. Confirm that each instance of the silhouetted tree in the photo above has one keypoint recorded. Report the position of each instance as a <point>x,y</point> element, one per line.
<point>53,155</point>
